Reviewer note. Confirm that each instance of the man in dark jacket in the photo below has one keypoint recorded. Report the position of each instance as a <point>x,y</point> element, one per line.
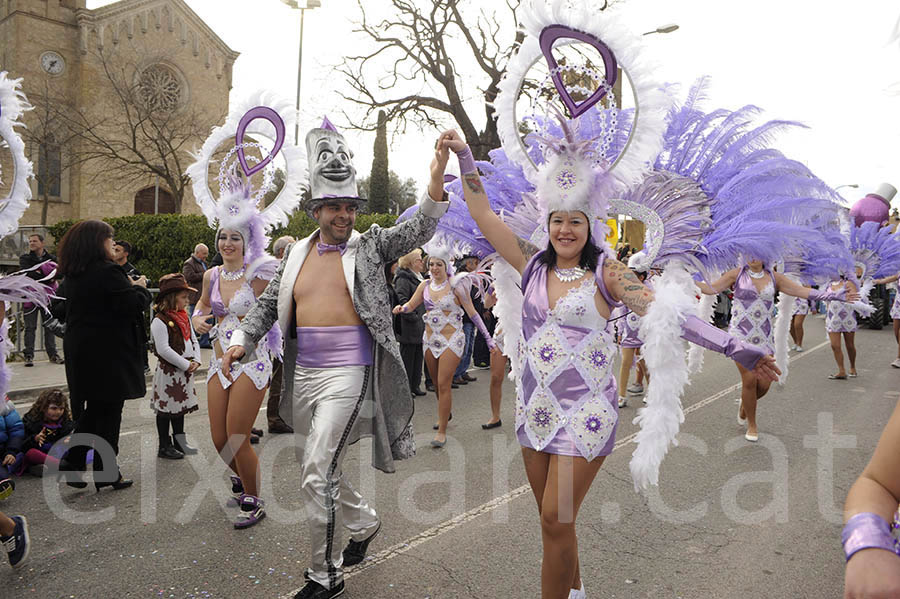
<point>412,325</point>
<point>123,251</point>
<point>36,255</point>
<point>193,270</point>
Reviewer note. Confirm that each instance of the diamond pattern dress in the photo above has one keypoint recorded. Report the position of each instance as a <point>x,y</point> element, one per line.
<point>839,316</point>
<point>753,312</point>
<point>446,311</point>
<point>566,392</point>
<point>895,307</point>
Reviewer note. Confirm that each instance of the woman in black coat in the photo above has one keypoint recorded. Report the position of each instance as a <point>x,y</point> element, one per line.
<point>103,344</point>
<point>412,324</point>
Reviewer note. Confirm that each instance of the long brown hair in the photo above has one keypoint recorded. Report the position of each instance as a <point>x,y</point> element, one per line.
<point>82,246</point>
<point>50,397</point>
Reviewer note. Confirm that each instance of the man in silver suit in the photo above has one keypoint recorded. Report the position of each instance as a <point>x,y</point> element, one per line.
<point>343,375</point>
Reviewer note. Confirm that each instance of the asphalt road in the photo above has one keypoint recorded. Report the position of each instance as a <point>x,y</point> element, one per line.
<point>730,518</point>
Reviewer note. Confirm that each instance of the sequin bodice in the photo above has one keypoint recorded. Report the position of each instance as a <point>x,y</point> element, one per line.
<point>752,311</point>
<point>443,312</point>
<point>566,355</point>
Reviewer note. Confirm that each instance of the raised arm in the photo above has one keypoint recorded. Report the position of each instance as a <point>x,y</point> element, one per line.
<point>786,285</point>
<point>887,280</point>
<point>719,285</point>
<point>414,302</point>
<point>512,249</point>
<point>873,569</point>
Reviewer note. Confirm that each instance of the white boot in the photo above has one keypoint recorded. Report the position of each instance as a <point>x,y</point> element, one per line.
<point>578,593</point>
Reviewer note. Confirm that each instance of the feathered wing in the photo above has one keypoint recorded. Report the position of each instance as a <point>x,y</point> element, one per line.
<point>13,105</point>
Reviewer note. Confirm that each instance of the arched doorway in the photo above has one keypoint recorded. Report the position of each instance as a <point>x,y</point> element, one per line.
<point>145,201</point>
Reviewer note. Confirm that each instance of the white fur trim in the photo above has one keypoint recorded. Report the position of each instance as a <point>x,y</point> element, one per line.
<point>664,353</point>
<point>862,305</point>
<point>786,305</point>
<point>12,105</point>
<point>295,164</point>
<point>508,310</point>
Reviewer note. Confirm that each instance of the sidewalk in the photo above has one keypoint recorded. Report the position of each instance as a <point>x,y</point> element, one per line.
<point>28,383</point>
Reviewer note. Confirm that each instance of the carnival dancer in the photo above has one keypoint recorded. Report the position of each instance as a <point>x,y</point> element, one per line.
<point>895,313</point>
<point>840,321</point>
<point>753,321</point>
<point>630,344</point>
<point>343,370</point>
<point>445,297</point>
<point>236,391</point>
<point>798,316</point>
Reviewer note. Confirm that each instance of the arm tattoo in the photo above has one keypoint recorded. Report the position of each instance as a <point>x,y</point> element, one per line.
<point>638,304</point>
<point>473,182</point>
<point>528,249</point>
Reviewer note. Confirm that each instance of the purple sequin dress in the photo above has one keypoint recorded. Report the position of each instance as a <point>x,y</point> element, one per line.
<point>839,316</point>
<point>445,312</point>
<point>566,392</point>
<point>753,312</point>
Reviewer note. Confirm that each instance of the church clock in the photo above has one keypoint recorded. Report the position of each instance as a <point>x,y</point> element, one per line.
<point>52,63</point>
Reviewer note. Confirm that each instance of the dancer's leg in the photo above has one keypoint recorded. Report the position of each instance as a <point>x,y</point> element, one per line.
<point>850,341</point>
<point>625,369</point>
<point>835,340</point>
<point>897,336</point>
<point>217,405</point>
<point>243,408</point>
<point>447,365</point>
<point>748,398</point>
<point>568,481</point>
<point>498,371</point>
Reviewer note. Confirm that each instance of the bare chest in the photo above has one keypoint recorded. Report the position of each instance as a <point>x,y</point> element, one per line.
<point>321,294</point>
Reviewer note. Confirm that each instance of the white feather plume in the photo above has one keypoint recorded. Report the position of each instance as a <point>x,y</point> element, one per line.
<point>705,308</point>
<point>664,353</point>
<point>508,310</point>
<point>13,105</point>
<point>786,305</point>
<point>279,210</point>
<point>862,305</point>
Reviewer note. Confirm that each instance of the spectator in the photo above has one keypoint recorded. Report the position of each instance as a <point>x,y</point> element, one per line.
<point>104,312</point>
<point>12,435</point>
<point>122,253</point>
<point>276,424</point>
<point>193,270</point>
<point>37,255</point>
<point>461,377</point>
<point>412,325</point>
<point>47,422</point>
<point>178,351</point>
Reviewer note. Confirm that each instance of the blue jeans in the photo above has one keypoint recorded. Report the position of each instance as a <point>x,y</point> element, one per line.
<point>469,330</point>
<point>202,340</point>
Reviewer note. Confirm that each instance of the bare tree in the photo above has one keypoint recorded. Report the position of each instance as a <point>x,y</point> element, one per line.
<point>150,132</point>
<point>52,143</point>
<point>414,43</point>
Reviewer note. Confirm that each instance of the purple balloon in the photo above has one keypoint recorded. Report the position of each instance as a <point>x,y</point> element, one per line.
<point>871,208</point>
<point>553,33</point>
<point>260,112</point>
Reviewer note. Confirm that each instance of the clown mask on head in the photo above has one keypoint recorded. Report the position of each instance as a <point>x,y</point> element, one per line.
<point>331,171</point>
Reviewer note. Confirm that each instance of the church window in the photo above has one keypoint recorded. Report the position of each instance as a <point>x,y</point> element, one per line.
<point>160,88</point>
<point>49,168</point>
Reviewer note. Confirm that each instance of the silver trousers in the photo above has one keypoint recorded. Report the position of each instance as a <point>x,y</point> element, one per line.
<point>327,403</point>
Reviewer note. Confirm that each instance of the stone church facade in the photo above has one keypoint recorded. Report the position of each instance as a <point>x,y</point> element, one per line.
<point>69,55</point>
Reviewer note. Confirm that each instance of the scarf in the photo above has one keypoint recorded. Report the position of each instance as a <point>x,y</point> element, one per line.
<point>181,317</point>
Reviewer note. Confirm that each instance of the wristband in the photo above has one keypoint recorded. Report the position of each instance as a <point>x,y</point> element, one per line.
<point>867,531</point>
<point>466,162</point>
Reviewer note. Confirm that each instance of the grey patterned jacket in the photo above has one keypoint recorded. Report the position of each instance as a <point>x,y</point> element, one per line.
<point>387,416</point>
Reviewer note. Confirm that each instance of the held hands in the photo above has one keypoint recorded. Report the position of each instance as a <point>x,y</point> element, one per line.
<point>766,369</point>
<point>235,352</point>
<point>451,140</point>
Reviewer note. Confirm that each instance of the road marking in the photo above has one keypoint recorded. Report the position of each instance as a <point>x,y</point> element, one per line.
<point>485,508</point>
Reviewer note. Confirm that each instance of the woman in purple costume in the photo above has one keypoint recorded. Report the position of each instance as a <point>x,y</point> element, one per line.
<point>798,315</point>
<point>895,314</point>
<point>753,321</point>
<point>444,341</point>
<point>840,321</point>
<point>566,408</point>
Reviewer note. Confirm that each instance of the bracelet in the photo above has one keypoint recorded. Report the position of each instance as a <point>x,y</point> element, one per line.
<point>867,531</point>
<point>466,162</point>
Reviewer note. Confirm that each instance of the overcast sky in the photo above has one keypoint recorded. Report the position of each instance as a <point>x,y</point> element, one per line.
<point>826,63</point>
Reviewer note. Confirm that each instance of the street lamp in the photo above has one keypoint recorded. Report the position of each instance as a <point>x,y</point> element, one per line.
<point>664,29</point>
<point>309,4</point>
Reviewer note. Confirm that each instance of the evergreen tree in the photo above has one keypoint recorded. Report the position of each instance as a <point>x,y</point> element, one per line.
<point>379,183</point>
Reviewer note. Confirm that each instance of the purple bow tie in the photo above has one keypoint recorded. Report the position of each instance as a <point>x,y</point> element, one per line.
<point>326,247</point>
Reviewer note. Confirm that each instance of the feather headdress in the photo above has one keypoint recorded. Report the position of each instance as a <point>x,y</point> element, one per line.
<point>13,104</point>
<point>875,249</point>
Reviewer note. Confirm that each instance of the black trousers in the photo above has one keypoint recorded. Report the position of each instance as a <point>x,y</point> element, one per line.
<point>272,414</point>
<point>413,358</point>
<point>102,420</point>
